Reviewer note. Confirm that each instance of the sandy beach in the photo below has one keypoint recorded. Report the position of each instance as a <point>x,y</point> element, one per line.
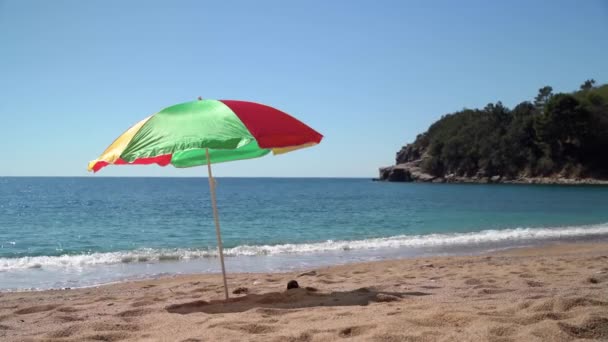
<point>552,293</point>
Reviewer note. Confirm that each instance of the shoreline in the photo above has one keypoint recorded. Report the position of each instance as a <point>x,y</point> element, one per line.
<point>59,274</point>
<point>304,269</point>
<point>412,173</point>
<point>525,181</point>
<point>555,292</point>
<point>535,248</point>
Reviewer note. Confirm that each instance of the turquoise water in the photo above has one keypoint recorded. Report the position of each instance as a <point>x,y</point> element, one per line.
<point>57,232</point>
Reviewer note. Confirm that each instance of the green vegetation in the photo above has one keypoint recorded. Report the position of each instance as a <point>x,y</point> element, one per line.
<point>563,134</point>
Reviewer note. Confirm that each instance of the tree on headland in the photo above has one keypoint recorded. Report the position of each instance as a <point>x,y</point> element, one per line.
<point>544,94</point>
<point>588,84</point>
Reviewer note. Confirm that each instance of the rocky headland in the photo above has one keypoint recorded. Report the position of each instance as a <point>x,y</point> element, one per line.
<point>557,139</point>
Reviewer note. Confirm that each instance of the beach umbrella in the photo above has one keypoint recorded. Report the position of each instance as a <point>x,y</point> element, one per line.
<point>205,132</point>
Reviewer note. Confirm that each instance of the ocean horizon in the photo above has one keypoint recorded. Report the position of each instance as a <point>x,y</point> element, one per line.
<point>58,232</point>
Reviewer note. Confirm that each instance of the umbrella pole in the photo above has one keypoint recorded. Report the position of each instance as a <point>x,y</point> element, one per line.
<point>217,221</point>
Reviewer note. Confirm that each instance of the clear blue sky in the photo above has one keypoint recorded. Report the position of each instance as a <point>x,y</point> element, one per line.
<point>369,75</point>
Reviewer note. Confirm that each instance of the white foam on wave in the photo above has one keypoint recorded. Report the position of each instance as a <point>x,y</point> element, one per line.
<point>81,260</point>
<point>414,241</point>
<point>429,240</point>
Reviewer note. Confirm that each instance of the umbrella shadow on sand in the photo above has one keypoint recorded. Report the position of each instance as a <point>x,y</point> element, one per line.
<point>291,299</point>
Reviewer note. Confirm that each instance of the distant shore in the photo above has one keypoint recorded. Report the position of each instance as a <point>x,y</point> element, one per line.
<point>412,173</point>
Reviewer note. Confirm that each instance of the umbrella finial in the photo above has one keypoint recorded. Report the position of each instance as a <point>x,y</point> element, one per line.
<point>200,98</point>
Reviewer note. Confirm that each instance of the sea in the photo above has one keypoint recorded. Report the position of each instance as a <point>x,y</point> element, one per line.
<point>77,232</point>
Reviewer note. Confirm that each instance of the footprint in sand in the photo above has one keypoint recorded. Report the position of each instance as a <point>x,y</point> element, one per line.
<point>36,309</point>
<point>501,332</point>
<point>425,336</point>
<point>146,302</point>
<point>531,319</point>
<point>303,337</point>
<point>108,326</point>
<point>430,287</point>
<point>268,321</point>
<point>524,305</point>
<point>65,332</point>
<point>491,291</point>
<point>355,330</point>
<point>274,312</point>
<point>10,307</point>
<point>526,275</point>
<point>250,328</point>
<point>396,312</point>
<point>112,336</point>
<point>567,304</point>
<point>592,328</point>
<point>385,298</point>
<point>540,296</point>
<point>66,319</point>
<point>532,283</point>
<point>134,313</point>
<point>187,308</point>
<point>472,281</point>
<point>415,293</point>
<point>272,280</point>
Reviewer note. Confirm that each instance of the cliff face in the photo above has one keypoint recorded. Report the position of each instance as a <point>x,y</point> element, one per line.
<point>407,167</point>
<point>409,153</point>
<point>558,139</point>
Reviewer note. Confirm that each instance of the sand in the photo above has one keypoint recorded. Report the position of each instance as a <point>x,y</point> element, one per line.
<point>552,293</point>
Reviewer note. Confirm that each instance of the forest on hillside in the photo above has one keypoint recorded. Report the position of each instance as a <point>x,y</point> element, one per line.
<point>563,134</point>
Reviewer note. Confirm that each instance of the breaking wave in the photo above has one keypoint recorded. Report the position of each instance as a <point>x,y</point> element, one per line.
<point>147,255</point>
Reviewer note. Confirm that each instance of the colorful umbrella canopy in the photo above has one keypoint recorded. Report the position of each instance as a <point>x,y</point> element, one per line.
<point>205,132</point>
<point>231,130</point>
